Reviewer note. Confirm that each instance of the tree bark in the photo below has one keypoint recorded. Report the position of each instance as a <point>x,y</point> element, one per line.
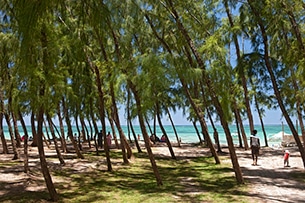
<point>70,132</point>
<point>144,132</point>
<point>243,77</point>
<point>15,150</point>
<point>238,173</point>
<point>274,83</point>
<point>43,162</point>
<point>173,126</point>
<point>62,130</point>
<point>25,145</point>
<point>61,159</point>
<point>3,140</point>
<point>169,145</point>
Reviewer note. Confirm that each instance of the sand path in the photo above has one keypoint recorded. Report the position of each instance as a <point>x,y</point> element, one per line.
<point>270,180</point>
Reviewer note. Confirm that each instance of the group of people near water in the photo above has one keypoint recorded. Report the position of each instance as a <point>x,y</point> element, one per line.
<point>100,139</point>
<point>154,138</point>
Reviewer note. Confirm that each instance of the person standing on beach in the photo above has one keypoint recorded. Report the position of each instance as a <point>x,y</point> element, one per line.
<point>255,146</point>
<point>286,158</point>
<point>100,139</point>
<point>109,138</point>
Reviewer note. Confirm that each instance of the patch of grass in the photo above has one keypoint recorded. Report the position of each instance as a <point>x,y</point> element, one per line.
<point>184,180</point>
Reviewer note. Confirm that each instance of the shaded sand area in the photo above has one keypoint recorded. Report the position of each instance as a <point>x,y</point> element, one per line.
<point>270,181</point>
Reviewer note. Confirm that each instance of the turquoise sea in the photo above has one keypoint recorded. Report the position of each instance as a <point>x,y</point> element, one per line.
<point>187,133</point>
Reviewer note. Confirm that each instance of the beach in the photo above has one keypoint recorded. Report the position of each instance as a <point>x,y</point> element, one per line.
<point>187,133</point>
<point>270,181</point>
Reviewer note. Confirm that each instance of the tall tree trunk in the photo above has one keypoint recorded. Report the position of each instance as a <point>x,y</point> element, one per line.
<point>241,125</point>
<point>202,122</point>
<point>197,132</point>
<point>113,132</point>
<point>93,120</point>
<point>129,121</point>
<point>215,133</point>
<point>47,132</point>
<point>78,135</point>
<point>40,119</point>
<point>238,130</point>
<point>169,145</point>
<point>261,120</point>
<point>116,118</point>
<point>15,150</point>
<point>274,83</point>
<point>296,29</point>
<point>43,162</point>
<point>134,135</point>
<point>99,83</point>
<point>173,126</point>
<point>148,125</point>
<point>61,160</point>
<point>62,130</point>
<point>144,132</point>
<point>16,131</point>
<point>82,121</point>
<point>237,170</point>
<point>243,78</point>
<point>70,132</point>
<point>3,140</point>
<point>25,145</point>
<point>34,134</point>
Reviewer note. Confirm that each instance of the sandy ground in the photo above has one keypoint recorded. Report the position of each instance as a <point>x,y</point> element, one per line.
<point>270,180</point>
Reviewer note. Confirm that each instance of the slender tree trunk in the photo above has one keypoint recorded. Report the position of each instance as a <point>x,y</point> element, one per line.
<point>240,122</point>
<point>173,126</point>
<point>82,121</point>
<point>93,120</point>
<point>123,140</point>
<point>34,134</point>
<point>129,122</point>
<point>202,122</point>
<point>144,132</point>
<point>197,132</point>
<point>134,135</point>
<point>113,133</point>
<point>243,78</point>
<point>40,119</point>
<point>261,120</point>
<point>16,131</point>
<point>215,134</point>
<point>3,140</point>
<point>83,130</point>
<point>15,150</point>
<point>61,160</point>
<point>148,125</point>
<point>274,83</point>
<point>25,147</point>
<point>47,132</point>
<point>70,132</point>
<point>99,83</point>
<point>43,162</point>
<point>238,130</point>
<point>169,145</point>
<point>237,170</point>
<point>298,35</point>
<point>62,130</point>
<point>78,135</point>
